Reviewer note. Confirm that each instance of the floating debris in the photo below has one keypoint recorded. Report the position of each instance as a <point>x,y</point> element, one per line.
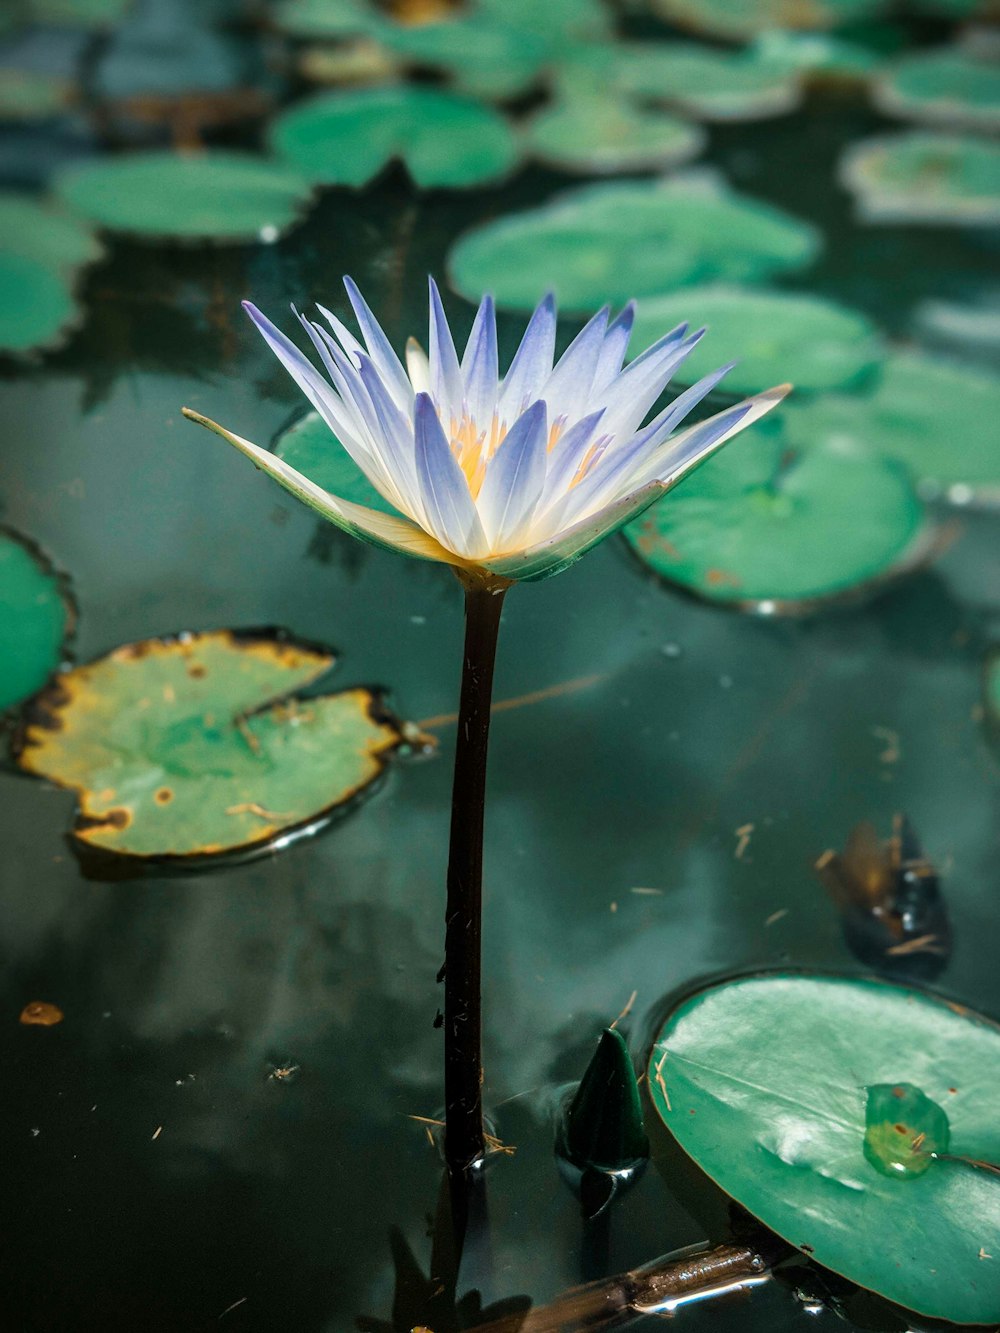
<point>39,1013</point>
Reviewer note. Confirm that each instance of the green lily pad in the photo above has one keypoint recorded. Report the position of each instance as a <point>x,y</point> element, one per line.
<point>310,446</point>
<point>605,135</point>
<point>77,13</point>
<point>610,242</point>
<point>196,746</point>
<point>917,176</point>
<point>938,419</point>
<point>36,617</point>
<point>815,54</point>
<point>348,64</point>
<point>28,94</point>
<point>764,1082</point>
<point>41,254</point>
<point>758,530</point>
<point>347,138</point>
<point>30,231</point>
<point>557,20</point>
<point>723,18</point>
<point>943,87</point>
<point>772,336</point>
<point>218,195</point>
<point>318,19</point>
<point>480,55</point>
<point>708,83</point>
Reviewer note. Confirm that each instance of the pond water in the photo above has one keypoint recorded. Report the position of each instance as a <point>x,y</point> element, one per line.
<point>225,1127</point>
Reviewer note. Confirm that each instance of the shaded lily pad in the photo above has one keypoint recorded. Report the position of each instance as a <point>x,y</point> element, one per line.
<point>611,242</point>
<point>31,231</point>
<point>317,19</point>
<point>943,87</point>
<point>196,746</point>
<point>557,20</point>
<point>77,13</point>
<point>480,55</point>
<point>761,531</point>
<point>29,94</point>
<point>917,176</point>
<point>311,447</point>
<point>347,138</point>
<point>707,82</point>
<point>36,617</point>
<point>938,419</point>
<point>991,690</point>
<point>723,18</point>
<point>218,195</point>
<point>41,254</point>
<point>604,135</point>
<point>766,1083</point>
<point>772,336</point>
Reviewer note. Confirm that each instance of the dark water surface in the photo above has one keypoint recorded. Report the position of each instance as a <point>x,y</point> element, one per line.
<point>157,1177</point>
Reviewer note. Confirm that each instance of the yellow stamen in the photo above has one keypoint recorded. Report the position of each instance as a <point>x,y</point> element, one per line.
<point>555,431</point>
<point>473,450</point>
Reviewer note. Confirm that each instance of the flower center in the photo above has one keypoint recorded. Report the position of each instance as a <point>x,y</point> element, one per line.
<point>473,448</point>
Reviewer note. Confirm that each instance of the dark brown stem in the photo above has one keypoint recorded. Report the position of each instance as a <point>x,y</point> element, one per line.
<point>464,1144</point>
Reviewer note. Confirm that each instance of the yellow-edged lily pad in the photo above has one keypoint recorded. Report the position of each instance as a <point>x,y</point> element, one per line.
<point>197,746</point>
<point>605,135</point>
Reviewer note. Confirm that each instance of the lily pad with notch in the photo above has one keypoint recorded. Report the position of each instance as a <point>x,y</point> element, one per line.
<point>763,529</point>
<point>199,746</point>
<point>617,240</point>
<point>348,137</point>
<point>782,1089</point>
<point>216,195</point>
<point>922,177</point>
<point>815,343</point>
<point>37,616</point>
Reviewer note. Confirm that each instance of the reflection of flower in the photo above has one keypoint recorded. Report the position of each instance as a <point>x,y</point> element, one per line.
<point>516,476</point>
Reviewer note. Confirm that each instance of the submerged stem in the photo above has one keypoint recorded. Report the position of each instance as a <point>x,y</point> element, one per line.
<point>464,1143</point>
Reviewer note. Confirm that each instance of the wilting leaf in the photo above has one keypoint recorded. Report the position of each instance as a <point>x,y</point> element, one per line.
<point>346,138</point>
<point>942,87</point>
<point>772,336</point>
<point>195,746</point>
<point>36,615</point>
<point>765,1083</point>
<point>219,195</point>
<point>917,176</point>
<point>753,526</point>
<point>610,242</point>
<point>940,420</point>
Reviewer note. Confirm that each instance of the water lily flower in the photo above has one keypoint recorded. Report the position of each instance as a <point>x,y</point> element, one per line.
<point>515,476</point>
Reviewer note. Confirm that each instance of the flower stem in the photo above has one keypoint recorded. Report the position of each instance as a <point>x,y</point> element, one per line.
<point>464,1144</point>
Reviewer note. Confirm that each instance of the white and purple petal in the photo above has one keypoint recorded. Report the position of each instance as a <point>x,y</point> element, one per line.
<point>444,491</point>
<point>514,478</point>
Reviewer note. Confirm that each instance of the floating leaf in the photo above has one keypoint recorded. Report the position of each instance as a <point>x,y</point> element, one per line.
<point>764,1082</point>
<point>756,529</point>
<point>76,13</point>
<point>219,195</point>
<point>723,18</point>
<point>992,689</point>
<point>602,134</point>
<point>480,55</point>
<point>707,82</point>
<point>772,336</point>
<point>610,242</point>
<point>41,254</point>
<point>347,138</point>
<point>814,53</point>
<point>311,447</point>
<point>192,746</point>
<point>36,616</point>
<point>942,87</point>
<point>557,20</point>
<point>921,177</point>
<point>31,231</point>
<point>936,418</point>
<point>354,62</point>
<point>317,19</point>
<point>29,94</point>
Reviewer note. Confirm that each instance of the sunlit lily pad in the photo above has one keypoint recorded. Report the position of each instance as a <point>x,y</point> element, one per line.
<point>348,64</point>
<point>762,531</point>
<point>772,336</point>
<point>942,87</point>
<point>318,19</point>
<point>219,195</point>
<point>724,18</point>
<point>346,138</point>
<point>480,55</point>
<point>197,746</point>
<point>939,419</point>
<point>311,447</point>
<point>605,135</point>
<point>41,254</point>
<point>774,1085</point>
<point>36,616</point>
<point>610,242</point>
<point>707,82</point>
<point>29,94</point>
<point>818,55</point>
<point>917,176</point>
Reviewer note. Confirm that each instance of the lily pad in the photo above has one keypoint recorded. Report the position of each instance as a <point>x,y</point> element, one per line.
<point>348,64</point>
<point>761,531</point>
<point>772,336</point>
<point>347,138</point>
<point>558,20</point>
<point>31,231</point>
<point>723,18</point>
<point>766,1083</point>
<point>610,242</point>
<point>606,135</point>
<point>218,195</point>
<point>943,87</point>
<point>311,448</point>
<point>29,94</point>
<point>41,254</point>
<point>196,747</point>
<point>77,13</point>
<point>36,617</point>
<point>992,690</point>
<point>706,82</point>
<point>817,55</point>
<point>480,55</point>
<point>938,419</point>
<point>917,176</point>
<point>317,19</point>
